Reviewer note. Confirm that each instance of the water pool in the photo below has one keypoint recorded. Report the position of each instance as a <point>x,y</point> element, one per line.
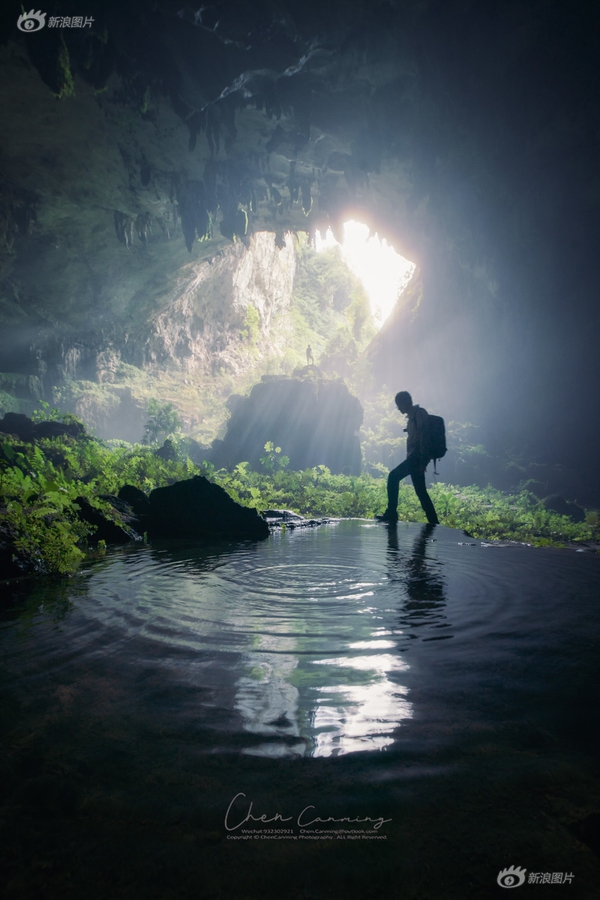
<point>346,711</point>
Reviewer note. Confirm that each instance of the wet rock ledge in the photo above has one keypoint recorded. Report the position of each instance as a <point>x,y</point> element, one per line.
<point>278,518</point>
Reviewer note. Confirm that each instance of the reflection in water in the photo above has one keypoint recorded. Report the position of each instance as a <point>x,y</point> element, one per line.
<point>29,600</point>
<point>268,701</point>
<point>283,650</point>
<point>361,716</point>
<point>419,574</point>
<point>305,701</point>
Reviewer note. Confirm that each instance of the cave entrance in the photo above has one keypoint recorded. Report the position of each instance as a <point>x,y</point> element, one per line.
<point>382,271</point>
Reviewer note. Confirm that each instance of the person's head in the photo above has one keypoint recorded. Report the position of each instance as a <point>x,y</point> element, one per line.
<point>403,401</point>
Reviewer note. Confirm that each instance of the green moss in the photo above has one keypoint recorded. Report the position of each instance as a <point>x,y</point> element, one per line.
<point>250,331</point>
<point>65,76</point>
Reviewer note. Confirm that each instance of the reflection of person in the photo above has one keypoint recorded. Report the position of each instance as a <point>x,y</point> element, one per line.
<point>309,356</point>
<point>416,461</point>
<point>421,575</point>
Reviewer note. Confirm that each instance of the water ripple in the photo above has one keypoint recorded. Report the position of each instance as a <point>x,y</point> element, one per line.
<point>306,644</point>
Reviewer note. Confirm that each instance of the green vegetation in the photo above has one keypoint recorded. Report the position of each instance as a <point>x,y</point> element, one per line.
<point>330,311</point>
<point>64,76</point>
<point>250,331</point>
<point>273,460</point>
<point>163,420</point>
<point>40,483</point>
<point>382,434</point>
<point>483,513</point>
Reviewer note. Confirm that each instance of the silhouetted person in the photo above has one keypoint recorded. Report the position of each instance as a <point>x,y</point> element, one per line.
<point>417,459</point>
<point>310,360</point>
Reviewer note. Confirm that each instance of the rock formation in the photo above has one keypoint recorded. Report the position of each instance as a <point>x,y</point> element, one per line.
<point>199,509</point>
<point>27,430</point>
<point>314,420</point>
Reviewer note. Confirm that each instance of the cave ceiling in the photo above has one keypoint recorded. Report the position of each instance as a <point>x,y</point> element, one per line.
<point>464,132</point>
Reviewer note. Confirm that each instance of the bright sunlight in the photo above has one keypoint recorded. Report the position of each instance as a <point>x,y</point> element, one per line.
<point>383,272</point>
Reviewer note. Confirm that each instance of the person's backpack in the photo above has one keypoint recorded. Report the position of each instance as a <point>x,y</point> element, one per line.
<point>435,439</point>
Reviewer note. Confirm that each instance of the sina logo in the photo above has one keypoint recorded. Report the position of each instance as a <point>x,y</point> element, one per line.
<point>31,21</point>
<point>511,878</point>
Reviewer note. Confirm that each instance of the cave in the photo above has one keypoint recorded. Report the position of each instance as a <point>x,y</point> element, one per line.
<point>141,151</point>
<point>166,171</point>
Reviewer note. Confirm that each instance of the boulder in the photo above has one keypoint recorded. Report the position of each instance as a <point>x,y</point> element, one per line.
<point>198,508</point>
<point>290,519</point>
<point>168,451</point>
<point>134,524</point>
<point>283,515</point>
<point>314,420</point>
<point>558,504</point>
<point>106,530</point>
<point>136,499</point>
<point>28,430</point>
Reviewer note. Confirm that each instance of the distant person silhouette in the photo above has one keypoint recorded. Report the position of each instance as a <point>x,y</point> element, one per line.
<point>310,360</point>
<point>417,459</point>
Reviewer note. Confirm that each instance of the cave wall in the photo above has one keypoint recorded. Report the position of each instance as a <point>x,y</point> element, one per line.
<point>465,132</point>
<point>200,330</point>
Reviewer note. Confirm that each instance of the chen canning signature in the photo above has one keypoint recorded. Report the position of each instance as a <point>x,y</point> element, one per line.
<point>235,819</point>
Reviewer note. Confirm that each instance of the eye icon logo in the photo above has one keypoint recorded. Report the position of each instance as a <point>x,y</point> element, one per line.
<point>31,21</point>
<point>510,878</point>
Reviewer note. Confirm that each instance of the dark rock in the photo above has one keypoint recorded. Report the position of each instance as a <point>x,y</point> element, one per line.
<point>117,503</point>
<point>198,508</point>
<point>558,504</point>
<point>105,529</point>
<point>19,425</point>
<point>133,523</point>
<point>588,831</point>
<point>283,514</point>
<point>136,499</point>
<point>315,421</point>
<point>290,519</point>
<point>27,430</point>
<point>168,451</point>
<point>59,429</point>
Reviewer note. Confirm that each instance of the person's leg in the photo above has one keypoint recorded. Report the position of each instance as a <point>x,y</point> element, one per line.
<point>393,486</point>
<point>418,480</point>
